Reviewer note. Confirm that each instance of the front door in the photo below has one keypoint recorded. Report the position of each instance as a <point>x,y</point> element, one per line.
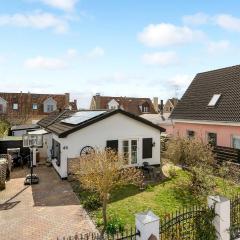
<point>130,150</point>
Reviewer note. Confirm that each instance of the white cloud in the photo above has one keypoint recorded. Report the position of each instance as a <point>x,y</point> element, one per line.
<point>96,52</point>
<point>36,20</point>
<point>165,34</point>
<point>196,19</point>
<point>66,5</point>
<point>160,58</point>
<point>45,63</point>
<point>228,22</point>
<point>218,46</point>
<point>180,80</point>
<point>72,53</point>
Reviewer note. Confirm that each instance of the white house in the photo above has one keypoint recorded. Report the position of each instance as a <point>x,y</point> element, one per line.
<point>75,133</point>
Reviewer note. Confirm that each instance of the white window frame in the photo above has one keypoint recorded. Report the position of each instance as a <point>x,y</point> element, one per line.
<point>145,109</point>
<point>52,107</point>
<point>130,150</point>
<point>15,106</point>
<point>34,106</point>
<point>232,137</point>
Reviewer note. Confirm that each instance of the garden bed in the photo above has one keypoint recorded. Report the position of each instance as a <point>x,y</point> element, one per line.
<point>162,198</point>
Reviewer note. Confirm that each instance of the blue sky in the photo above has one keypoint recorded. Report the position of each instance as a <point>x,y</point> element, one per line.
<point>126,48</point>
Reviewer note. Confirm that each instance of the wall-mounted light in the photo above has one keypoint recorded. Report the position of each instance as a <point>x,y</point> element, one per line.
<point>153,144</point>
<point>65,147</point>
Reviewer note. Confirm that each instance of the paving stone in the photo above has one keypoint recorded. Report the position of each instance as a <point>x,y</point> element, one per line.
<point>44,211</point>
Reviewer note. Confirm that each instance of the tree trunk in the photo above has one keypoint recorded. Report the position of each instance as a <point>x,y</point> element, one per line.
<point>104,213</point>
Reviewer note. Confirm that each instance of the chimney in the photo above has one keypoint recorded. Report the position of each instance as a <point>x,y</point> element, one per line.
<point>161,107</point>
<point>97,100</point>
<point>67,98</point>
<point>155,104</point>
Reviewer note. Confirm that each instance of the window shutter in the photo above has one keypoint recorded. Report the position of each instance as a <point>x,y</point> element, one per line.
<point>147,148</point>
<point>113,144</point>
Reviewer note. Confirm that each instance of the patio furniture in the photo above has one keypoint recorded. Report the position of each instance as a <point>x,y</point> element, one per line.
<point>3,172</point>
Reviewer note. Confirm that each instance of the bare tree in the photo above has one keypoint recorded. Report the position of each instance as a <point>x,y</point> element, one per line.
<point>103,171</point>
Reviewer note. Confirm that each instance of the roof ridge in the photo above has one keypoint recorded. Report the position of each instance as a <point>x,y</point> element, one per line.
<point>219,69</point>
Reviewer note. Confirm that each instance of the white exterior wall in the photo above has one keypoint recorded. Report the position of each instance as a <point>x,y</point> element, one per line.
<point>113,104</point>
<point>117,127</point>
<point>45,151</point>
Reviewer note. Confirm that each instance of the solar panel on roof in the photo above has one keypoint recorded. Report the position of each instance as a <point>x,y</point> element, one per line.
<point>83,116</point>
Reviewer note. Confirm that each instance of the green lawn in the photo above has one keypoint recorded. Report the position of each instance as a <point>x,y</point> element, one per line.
<point>161,198</point>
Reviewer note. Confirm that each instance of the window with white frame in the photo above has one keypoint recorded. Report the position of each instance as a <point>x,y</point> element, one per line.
<point>15,106</point>
<point>50,108</point>
<point>236,142</point>
<point>34,106</point>
<point>130,150</point>
<point>145,109</point>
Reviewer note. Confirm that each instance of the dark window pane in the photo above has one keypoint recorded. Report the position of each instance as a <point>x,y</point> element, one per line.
<point>147,148</point>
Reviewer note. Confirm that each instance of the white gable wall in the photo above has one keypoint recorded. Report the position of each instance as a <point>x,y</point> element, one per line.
<point>113,104</point>
<point>49,101</point>
<point>117,127</point>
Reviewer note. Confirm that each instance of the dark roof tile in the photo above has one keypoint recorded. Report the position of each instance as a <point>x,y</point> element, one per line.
<point>194,103</point>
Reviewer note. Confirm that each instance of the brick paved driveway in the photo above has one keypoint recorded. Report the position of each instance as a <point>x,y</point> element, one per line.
<point>44,211</point>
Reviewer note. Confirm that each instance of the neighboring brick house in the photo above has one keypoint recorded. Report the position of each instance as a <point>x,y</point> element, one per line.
<point>133,105</point>
<point>170,104</point>
<point>22,108</point>
<point>210,108</point>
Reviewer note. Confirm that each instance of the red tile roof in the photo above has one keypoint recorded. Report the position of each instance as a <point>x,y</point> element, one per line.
<point>129,104</point>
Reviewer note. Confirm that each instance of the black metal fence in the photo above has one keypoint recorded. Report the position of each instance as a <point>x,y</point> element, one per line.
<point>182,225</point>
<point>130,234</point>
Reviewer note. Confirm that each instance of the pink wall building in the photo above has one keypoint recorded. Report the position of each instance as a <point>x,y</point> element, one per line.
<point>210,108</point>
<point>226,136</point>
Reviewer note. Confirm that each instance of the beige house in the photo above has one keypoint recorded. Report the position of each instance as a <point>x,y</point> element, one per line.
<point>170,105</point>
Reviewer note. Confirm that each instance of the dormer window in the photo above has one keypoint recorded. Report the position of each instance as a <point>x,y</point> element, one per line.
<point>145,109</point>
<point>113,104</point>
<point>49,105</point>
<point>214,100</point>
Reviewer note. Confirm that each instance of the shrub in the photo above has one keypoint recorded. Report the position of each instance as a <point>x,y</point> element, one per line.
<point>198,158</point>
<point>114,225</point>
<point>92,202</point>
<point>172,172</point>
<point>202,182</point>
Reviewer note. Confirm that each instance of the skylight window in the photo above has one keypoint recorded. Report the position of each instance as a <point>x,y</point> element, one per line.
<point>214,100</point>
